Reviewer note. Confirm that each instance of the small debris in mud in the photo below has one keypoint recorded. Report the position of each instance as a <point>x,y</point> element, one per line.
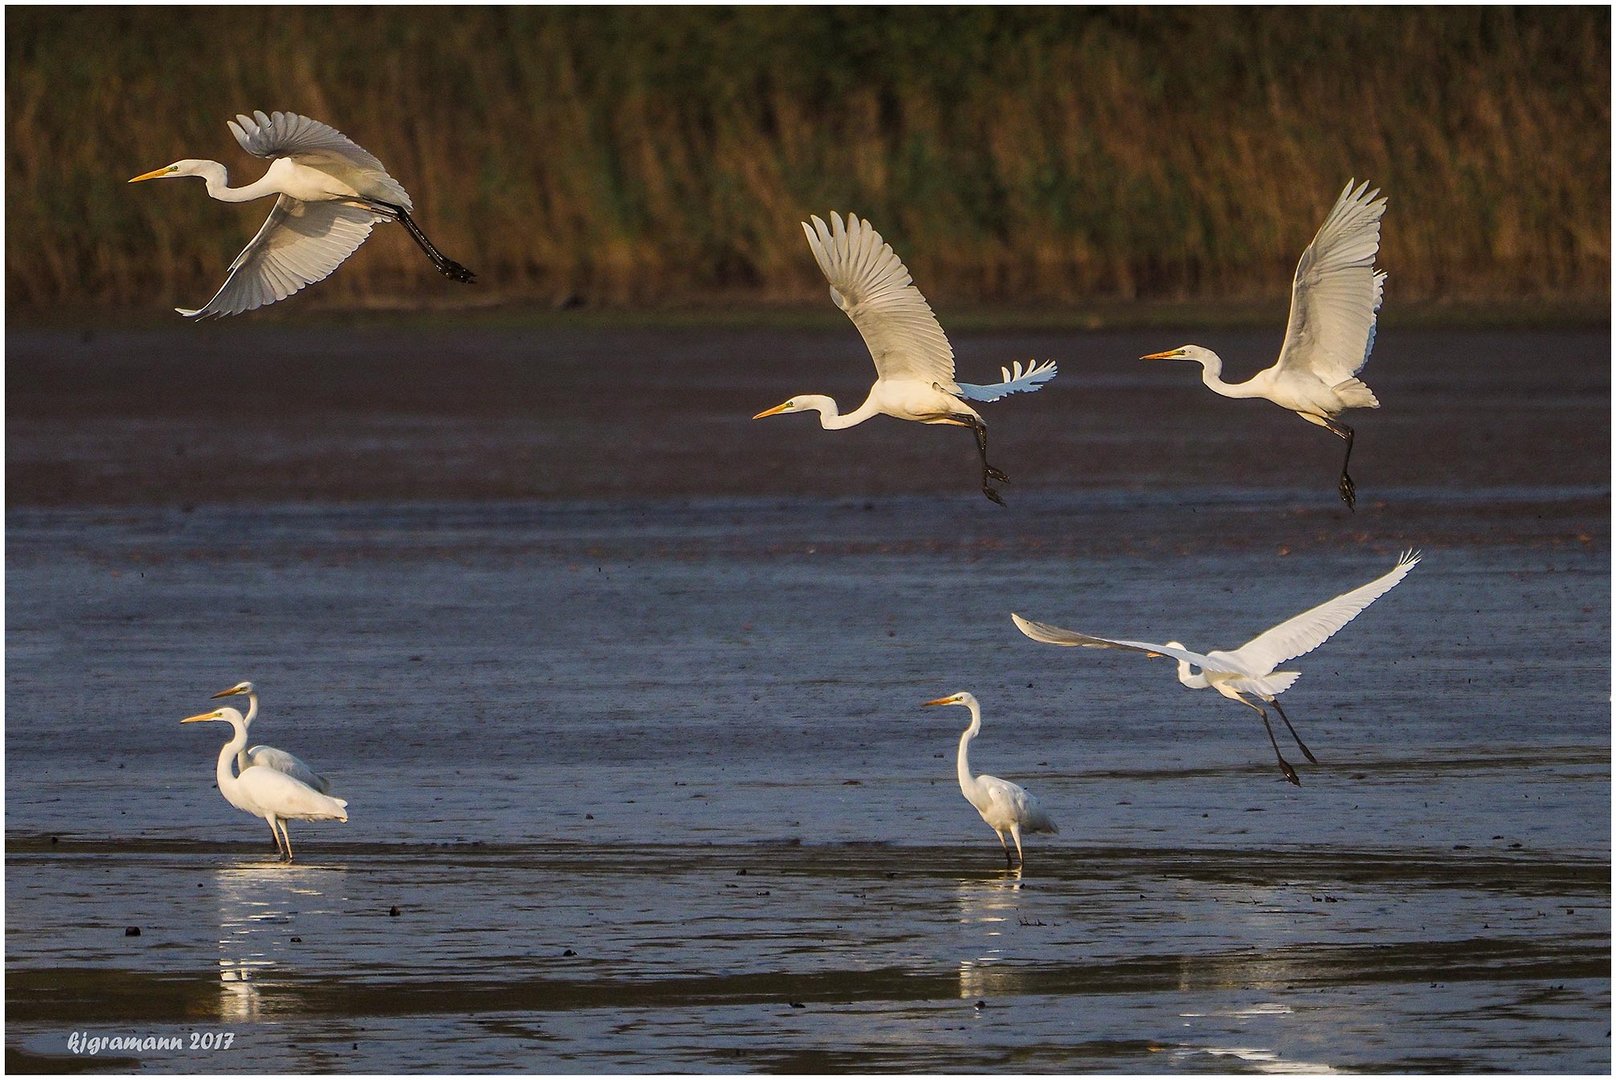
<point>796,1005</point>
<point>392,912</point>
<point>568,952</point>
<point>131,931</point>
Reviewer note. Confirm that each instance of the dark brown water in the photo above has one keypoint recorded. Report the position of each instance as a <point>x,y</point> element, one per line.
<point>626,708</point>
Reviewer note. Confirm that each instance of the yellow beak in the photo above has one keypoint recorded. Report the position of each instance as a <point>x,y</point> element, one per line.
<point>940,701</point>
<point>201,716</point>
<point>780,408</point>
<point>154,174</point>
<point>1170,354</point>
<point>227,693</point>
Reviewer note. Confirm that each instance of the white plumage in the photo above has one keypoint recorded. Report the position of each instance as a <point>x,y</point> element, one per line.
<point>331,193</point>
<point>1006,807</point>
<point>914,364</point>
<point>268,756</point>
<point>1335,296</point>
<point>1248,672</point>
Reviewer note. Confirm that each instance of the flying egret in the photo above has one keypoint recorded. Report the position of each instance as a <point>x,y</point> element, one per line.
<point>269,756</point>
<point>1249,670</point>
<point>914,364</point>
<point>1334,298</point>
<point>331,194</point>
<point>1006,807</point>
<point>264,792</point>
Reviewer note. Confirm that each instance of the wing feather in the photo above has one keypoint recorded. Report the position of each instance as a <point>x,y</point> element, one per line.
<point>1312,628</point>
<point>271,757</point>
<point>870,283</point>
<point>300,243</point>
<point>1054,635</point>
<point>319,146</point>
<point>1337,291</point>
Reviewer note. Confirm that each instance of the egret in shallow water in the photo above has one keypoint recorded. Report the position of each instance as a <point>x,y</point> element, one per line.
<point>264,792</point>
<point>1248,672</point>
<point>914,364</point>
<point>1006,807</point>
<point>1334,298</point>
<point>331,192</point>
<point>269,756</point>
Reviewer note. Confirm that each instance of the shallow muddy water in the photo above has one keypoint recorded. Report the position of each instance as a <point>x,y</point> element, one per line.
<point>644,775</point>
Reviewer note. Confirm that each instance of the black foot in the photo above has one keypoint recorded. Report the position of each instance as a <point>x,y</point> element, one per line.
<point>993,494</point>
<point>1290,773</point>
<point>455,272</point>
<point>997,474</point>
<point>1349,492</point>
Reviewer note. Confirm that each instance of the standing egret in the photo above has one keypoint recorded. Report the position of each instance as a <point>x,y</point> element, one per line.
<point>264,792</point>
<point>1334,298</point>
<point>914,364</point>
<point>1006,807</point>
<point>1250,668</point>
<point>269,756</point>
<point>331,194</point>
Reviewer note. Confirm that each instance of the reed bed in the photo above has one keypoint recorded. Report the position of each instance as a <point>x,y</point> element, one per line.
<point>630,156</point>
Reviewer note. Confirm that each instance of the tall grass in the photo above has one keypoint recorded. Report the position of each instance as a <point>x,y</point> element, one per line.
<point>629,155</point>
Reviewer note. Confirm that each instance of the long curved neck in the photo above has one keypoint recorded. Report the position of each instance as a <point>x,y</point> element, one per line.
<point>1194,682</point>
<point>217,178</point>
<point>967,782</point>
<point>246,722</point>
<point>228,780</point>
<point>832,419</point>
<point>1212,376</point>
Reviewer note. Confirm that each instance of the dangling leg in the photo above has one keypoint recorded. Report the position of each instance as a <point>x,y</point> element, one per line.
<point>989,473</point>
<point>1275,703</point>
<point>446,266</point>
<point>1284,766</point>
<point>1349,492</point>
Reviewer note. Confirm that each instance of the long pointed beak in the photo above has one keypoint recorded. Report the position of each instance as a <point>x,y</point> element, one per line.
<point>1170,354</point>
<point>940,701</point>
<point>200,717</point>
<point>226,693</point>
<point>780,408</point>
<point>154,174</point>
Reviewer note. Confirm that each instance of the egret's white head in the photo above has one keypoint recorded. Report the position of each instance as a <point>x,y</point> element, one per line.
<point>228,716</point>
<point>183,167</point>
<point>1183,352</point>
<point>802,403</point>
<point>239,688</point>
<point>961,698</point>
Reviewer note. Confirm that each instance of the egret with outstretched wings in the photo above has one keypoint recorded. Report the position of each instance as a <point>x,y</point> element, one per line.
<point>1334,299</point>
<point>1248,672</point>
<point>914,364</point>
<point>331,193</point>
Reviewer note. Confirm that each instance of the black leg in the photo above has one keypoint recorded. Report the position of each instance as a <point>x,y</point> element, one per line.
<point>1349,491</point>
<point>989,473</point>
<point>1298,738</point>
<point>446,266</point>
<point>1284,766</point>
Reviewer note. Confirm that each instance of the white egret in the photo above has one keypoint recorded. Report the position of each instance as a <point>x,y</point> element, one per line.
<point>1248,672</point>
<point>1334,298</point>
<point>1006,807</point>
<point>269,756</point>
<point>264,792</point>
<point>914,364</point>
<point>331,193</point>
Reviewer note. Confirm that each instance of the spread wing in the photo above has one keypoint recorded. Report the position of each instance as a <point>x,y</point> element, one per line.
<point>1314,627</point>
<point>300,243</point>
<point>1054,635</point>
<point>870,283</point>
<point>1337,290</point>
<point>319,146</point>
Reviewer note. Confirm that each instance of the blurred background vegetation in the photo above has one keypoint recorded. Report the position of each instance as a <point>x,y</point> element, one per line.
<point>656,156</point>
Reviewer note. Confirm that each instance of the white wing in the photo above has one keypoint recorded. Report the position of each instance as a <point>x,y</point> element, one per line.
<point>281,761</point>
<point>301,243</point>
<point>318,146</point>
<point>1337,291</point>
<point>1054,635</point>
<point>1314,627</point>
<point>284,797</point>
<point>1015,382</point>
<point>1010,802</point>
<point>869,282</point>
